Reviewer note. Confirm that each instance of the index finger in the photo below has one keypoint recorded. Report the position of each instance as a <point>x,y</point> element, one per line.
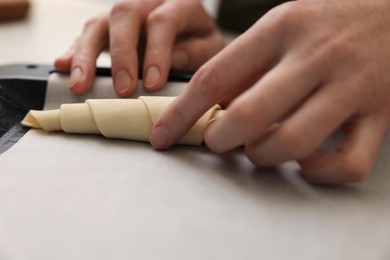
<point>227,74</point>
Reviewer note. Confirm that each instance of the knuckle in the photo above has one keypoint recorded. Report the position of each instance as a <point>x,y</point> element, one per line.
<point>181,117</point>
<point>208,79</point>
<point>90,23</point>
<point>338,47</point>
<point>124,7</point>
<point>282,17</point>
<point>331,48</point>
<point>157,54</point>
<point>81,56</point>
<point>158,16</point>
<point>120,50</point>
<point>96,21</point>
<point>163,16</point>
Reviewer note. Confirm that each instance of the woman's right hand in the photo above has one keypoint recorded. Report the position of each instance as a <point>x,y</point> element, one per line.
<point>179,34</point>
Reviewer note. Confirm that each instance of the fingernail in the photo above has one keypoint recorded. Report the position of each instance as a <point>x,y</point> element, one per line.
<point>152,77</point>
<point>122,82</point>
<point>179,59</point>
<point>75,77</point>
<point>160,137</point>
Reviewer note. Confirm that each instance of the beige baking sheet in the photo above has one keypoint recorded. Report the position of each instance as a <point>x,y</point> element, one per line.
<point>87,197</point>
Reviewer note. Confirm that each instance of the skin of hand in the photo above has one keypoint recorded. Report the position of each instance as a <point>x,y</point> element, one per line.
<point>314,67</point>
<point>173,34</point>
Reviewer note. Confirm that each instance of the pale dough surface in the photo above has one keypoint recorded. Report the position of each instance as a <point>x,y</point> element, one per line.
<point>114,118</point>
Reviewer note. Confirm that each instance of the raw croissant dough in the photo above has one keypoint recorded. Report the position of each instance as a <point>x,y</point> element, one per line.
<point>114,118</point>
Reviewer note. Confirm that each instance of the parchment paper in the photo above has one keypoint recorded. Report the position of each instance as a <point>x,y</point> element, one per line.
<point>87,197</point>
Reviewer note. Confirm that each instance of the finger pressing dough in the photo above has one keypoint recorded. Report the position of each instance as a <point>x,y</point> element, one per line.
<point>114,118</point>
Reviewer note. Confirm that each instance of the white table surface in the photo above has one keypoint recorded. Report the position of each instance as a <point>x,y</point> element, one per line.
<point>109,199</point>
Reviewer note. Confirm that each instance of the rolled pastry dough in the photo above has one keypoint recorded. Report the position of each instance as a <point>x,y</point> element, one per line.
<point>114,118</point>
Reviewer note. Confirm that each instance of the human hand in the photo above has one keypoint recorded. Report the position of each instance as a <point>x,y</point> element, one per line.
<point>314,66</point>
<point>179,34</point>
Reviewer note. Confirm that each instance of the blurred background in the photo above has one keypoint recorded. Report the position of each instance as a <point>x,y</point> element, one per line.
<point>44,29</point>
<point>49,27</point>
